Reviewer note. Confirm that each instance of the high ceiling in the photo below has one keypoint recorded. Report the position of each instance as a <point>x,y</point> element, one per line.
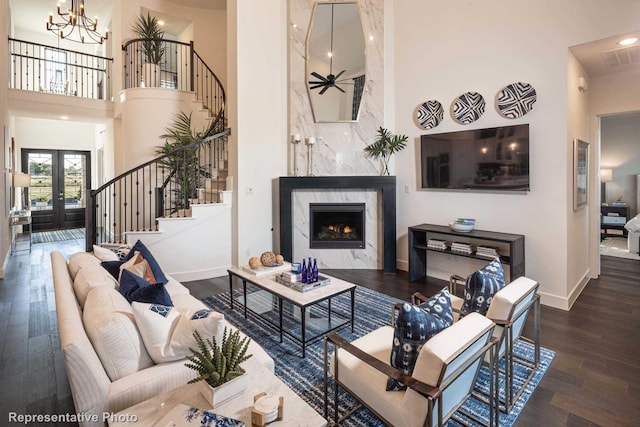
<point>32,14</point>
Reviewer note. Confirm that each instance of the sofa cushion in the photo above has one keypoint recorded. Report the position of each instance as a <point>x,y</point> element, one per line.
<point>91,276</point>
<point>104,254</point>
<point>79,260</point>
<point>414,327</point>
<point>481,286</point>
<point>167,332</point>
<point>135,288</point>
<point>109,322</point>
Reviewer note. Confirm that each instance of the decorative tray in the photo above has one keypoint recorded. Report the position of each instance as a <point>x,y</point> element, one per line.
<point>304,287</point>
<point>262,270</point>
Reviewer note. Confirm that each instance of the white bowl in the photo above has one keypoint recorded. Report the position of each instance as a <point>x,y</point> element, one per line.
<point>463,228</point>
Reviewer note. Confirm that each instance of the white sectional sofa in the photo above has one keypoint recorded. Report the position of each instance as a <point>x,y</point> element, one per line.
<point>107,364</point>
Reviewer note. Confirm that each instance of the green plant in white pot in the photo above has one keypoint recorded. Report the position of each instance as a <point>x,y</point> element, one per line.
<point>385,145</point>
<point>218,366</point>
<point>152,44</point>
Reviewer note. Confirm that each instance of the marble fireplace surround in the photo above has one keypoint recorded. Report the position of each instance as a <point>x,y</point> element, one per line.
<point>386,185</point>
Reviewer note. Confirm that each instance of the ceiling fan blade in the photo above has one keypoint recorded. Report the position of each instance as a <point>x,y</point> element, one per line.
<point>316,75</point>
<point>318,85</point>
<point>339,74</point>
<point>325,89</point>
<point>339,89</point>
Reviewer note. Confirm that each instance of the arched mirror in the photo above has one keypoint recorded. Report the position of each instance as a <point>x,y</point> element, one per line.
<point>335,62</point>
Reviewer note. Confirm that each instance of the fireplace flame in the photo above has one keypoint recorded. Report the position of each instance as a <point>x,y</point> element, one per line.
<point>347,229</point>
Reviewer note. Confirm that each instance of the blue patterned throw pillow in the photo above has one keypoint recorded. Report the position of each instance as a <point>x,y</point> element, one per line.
<point>414,326</point>
<point>135,288</point>
<point>481,286</point>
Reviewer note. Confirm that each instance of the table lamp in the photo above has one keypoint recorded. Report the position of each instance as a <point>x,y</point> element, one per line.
<point>22,181</point>
<point>606,175</point>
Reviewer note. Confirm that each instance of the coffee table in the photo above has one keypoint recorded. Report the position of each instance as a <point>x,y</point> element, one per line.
<point>296,411</point>
<point>322,318</point>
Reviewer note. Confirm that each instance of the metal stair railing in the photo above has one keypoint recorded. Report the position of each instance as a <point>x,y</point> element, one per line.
<point>165,186</point>
<point>48,69</point>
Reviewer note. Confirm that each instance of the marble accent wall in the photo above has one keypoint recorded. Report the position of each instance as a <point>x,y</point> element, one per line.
<point>370,257</point>
<point>339,146</point>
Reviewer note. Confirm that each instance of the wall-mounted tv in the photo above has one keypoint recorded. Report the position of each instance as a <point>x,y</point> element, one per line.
<point>481,159</point>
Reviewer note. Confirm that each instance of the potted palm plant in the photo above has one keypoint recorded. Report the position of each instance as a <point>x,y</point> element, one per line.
<point>218,366</point>
<point>148,29</point>
<point>384,146</point>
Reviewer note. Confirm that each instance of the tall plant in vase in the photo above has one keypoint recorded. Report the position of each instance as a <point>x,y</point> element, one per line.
<point>152,46</point>
<point>384,146</point>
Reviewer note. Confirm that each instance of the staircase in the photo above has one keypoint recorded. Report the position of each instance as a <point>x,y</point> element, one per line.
<point>172,203</point>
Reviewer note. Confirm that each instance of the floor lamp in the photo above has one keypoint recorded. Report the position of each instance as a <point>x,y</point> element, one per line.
<point>606,175</point>
<point>22,181</point>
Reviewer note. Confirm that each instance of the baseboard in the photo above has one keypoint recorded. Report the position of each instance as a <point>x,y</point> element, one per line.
<point>209,273</point>
<point>402,265</point>
<point>4,264</point>
<point>577,290</point>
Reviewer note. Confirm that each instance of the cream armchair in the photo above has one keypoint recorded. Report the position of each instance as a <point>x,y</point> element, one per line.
<point>444,375</point>
<point>509,309</point>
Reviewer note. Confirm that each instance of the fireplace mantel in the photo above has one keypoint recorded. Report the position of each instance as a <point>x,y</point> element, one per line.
<point>385,184</point>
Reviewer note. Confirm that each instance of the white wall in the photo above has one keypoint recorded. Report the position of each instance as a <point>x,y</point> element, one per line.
<point>257,111</point>
<point>56,134</point>
<point>578,272</point>
<point>4,123</point>
<point>443,49</point>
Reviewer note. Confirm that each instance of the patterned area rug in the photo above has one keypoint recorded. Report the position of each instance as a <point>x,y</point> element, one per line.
<point>57,235</point>
<point>373,309</point>
<point>618,247</point>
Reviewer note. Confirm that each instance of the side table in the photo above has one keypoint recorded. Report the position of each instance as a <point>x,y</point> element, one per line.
<point>20,241</point>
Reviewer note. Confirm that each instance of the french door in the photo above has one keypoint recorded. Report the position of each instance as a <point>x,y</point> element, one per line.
<point>60,181</point>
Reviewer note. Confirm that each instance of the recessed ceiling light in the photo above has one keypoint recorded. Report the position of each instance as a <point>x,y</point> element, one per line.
<point>628,41</point>
<point>64,117</point>
<point>161,23</point>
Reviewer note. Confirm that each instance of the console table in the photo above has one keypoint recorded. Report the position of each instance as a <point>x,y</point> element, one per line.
<point>21,237</point>
<point>419,235</point>
<point>615,221</point>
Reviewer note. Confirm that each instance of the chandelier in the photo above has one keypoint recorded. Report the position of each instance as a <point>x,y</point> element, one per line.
<point>74,25</point>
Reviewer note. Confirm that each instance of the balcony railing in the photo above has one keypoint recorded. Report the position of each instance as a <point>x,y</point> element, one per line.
<point>180,68</point>
<point>48,69</point>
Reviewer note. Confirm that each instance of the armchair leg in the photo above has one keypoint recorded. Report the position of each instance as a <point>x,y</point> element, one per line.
<point>326,378</point>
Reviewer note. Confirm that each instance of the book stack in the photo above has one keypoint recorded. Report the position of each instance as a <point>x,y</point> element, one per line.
<point>461,248</point>
<point>440,245</point>
<point>487,252</point>
<point>291,276</point>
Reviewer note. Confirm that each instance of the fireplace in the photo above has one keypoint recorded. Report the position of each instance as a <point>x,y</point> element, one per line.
<point>337,225</point>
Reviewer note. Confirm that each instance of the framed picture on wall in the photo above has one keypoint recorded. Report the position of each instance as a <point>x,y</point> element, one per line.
<point>8,153</point>
<point>580,174</point>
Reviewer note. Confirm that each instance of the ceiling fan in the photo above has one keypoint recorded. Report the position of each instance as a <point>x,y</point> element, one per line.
<point>331,80</point>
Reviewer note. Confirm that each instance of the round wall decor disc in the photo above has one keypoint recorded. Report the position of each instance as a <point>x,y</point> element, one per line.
<point>515,100</point>
<point>468,107</point>
<point>430,114</point>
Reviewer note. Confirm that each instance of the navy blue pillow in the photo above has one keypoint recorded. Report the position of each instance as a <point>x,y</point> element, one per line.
<point>440,305</point>
<point>481,286</point>
<point>414,327</point>
<point>113,267</point>
<point>146,254</point>
<point>135,288</point>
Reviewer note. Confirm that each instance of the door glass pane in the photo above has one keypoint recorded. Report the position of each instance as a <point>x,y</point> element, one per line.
<point>41,192</point>
<point>74,177</point>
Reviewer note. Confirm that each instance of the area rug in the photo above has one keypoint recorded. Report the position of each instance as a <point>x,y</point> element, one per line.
<point>57,235</point>
<point>372,310</point>
<point>618,247</point>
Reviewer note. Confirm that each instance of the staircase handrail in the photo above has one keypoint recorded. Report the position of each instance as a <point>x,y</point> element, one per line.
<point>214,101</point>
<point>131,202</point>
<point>60,48</point>
<point>225,132</point>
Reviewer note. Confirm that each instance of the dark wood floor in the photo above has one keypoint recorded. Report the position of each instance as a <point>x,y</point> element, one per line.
<point>593,380</point>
